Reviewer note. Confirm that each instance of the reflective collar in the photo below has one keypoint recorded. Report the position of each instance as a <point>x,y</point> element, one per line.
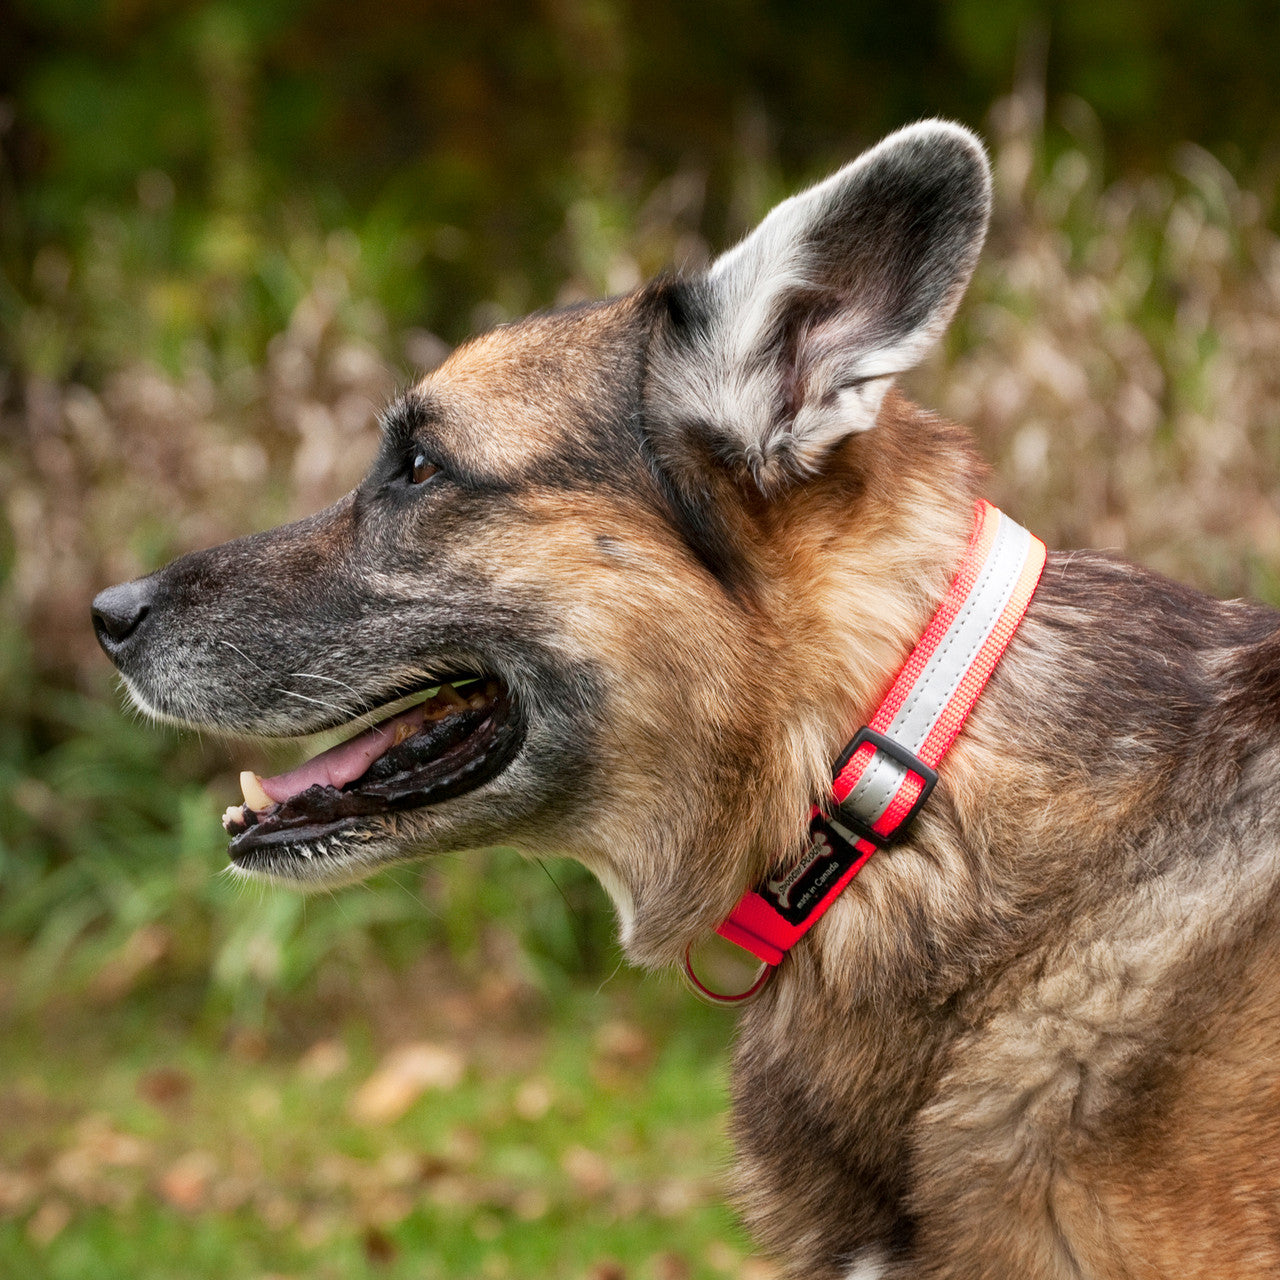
<point>887,772</point>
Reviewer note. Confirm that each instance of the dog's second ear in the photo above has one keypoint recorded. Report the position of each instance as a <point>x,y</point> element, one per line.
<point>789,342</point>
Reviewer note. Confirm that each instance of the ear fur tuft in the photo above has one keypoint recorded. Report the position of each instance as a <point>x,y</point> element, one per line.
<point>789,342</point>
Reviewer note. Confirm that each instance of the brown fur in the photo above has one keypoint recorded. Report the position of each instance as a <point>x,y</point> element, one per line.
<point>1039,1038</point>
<point>986,1050</point>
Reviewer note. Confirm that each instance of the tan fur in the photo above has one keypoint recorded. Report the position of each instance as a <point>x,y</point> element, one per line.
<point>1039,1039</point>
<point>854,562</point>
<point>505,395</point>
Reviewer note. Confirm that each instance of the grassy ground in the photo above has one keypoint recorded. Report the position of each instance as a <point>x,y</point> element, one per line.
<point>454,1131</point>
<point>195,1082</point>
<point>441,1074</point>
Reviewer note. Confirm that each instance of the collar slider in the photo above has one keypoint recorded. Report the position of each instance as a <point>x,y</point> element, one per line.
<point>847,808</point>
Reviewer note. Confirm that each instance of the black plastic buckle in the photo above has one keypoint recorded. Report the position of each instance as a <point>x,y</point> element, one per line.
<point>912,764</point>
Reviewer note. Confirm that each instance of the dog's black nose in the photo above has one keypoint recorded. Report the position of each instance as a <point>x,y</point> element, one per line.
<point>118,612</point>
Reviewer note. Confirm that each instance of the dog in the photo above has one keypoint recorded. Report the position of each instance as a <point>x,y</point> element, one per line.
<point>622,582</point>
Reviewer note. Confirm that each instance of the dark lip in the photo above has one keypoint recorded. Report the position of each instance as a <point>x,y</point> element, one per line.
<point>372,704</point>
<point>368,706</point>
<point>454,756</point>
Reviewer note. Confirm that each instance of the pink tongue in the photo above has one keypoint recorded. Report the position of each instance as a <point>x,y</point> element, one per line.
<point>348,760</point>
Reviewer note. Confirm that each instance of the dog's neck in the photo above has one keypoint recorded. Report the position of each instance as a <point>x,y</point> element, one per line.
<point>848,569</point>
<point>882,533</point>
<point>880,582</point>
<point>904,926</point>
<point>888,526</point>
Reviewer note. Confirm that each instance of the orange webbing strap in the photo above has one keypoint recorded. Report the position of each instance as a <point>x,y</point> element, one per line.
<point>885,774</point>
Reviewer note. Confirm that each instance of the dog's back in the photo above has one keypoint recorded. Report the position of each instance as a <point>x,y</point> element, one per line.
<point>1044,1040</point>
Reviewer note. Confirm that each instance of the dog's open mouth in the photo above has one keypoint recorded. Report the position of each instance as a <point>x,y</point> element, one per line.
<point>455,738</point>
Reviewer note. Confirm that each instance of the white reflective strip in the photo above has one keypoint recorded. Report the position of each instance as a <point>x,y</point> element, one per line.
<point>937,683</point>
<point>842,831</point>
<point>876,788</point>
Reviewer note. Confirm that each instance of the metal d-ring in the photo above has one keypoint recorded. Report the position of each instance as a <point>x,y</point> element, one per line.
<point>718,997</point>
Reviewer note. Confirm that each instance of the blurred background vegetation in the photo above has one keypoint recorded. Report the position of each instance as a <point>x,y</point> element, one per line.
<point>227,231</point>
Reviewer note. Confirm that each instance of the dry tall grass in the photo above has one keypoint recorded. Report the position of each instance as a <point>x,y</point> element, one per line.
<point>1120,363</point>
<point>1118,358</point>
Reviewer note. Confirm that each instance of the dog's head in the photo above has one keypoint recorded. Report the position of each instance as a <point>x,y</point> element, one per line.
<point>630,523</point>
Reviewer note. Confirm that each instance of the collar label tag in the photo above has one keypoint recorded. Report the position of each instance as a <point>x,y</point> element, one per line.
<point>830,854</point>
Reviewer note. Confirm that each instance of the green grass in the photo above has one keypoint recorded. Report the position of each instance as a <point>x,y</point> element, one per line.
<point>149,1139</point>
<point>176,369</point>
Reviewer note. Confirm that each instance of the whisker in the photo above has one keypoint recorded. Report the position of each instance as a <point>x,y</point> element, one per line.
<point>319,702</point>
<point>236,648</point>
<point>311,675</point>
<point>342,714</point>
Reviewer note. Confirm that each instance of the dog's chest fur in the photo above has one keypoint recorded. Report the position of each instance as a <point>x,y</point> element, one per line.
<point>1037,1072</point>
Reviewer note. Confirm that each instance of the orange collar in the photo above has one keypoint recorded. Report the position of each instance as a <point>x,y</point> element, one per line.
<point>887,772</point>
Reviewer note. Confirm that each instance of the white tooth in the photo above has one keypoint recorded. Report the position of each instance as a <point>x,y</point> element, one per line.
<point>254,796</point>
<point>234,817</point>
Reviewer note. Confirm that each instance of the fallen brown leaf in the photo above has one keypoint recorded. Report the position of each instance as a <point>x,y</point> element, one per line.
<point>607,1269</point>
<point>111,1146</point>
<point>622,1051</point>
<point>530,1204</point>
<point>533,1099</point>
<point>17,1191</point>
<point>675,1197</point>
<point>588,1170</point>
<point>164,1086</point>
<point>624,1042</point>
<point>248,1044</point>
<point>186,1182</point>
<point>671,1266</point>
<point>324,1060</point>
<point>379,1247</point>
<point>48,1222</point>
<point>404,1075</point>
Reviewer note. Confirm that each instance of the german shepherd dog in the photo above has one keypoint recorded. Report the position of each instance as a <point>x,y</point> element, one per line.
<point>679,542</point>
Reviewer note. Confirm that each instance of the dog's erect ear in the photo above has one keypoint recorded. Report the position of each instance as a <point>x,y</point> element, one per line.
<point>790,341</point>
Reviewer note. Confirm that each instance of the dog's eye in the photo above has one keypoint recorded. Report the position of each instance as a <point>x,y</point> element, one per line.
<point>423,469</point>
